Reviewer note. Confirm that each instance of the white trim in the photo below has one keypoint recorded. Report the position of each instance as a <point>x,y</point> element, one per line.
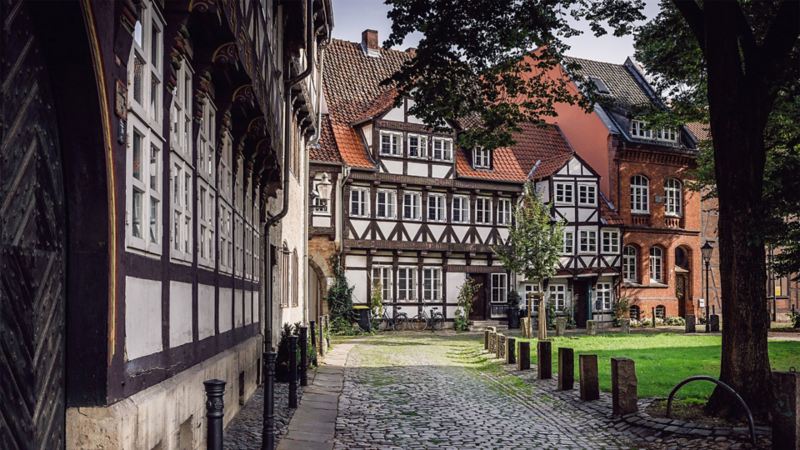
<point>483,213</point>
<point>567,194</point>
<point>497,289</point>
<point>446,149</point>
<point>441,207</point>
<point>363,202</point>
<point>481,158</point>
<point>389,204</point>
<point>415,207</point>
<point>421,146</point>
<point>591,194</point>
<point>590,240</point>
<point>395,143</point>
<point>463,210</point>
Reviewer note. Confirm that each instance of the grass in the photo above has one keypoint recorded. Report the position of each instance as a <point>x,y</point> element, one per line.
<point>664,359</point>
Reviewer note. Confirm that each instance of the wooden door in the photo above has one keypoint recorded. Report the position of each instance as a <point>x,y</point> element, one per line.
<point>580,300</point>
<point>681,284</point>
<point>480,302</point>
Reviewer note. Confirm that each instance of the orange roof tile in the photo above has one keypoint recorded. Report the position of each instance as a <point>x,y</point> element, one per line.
<point>350,147</point>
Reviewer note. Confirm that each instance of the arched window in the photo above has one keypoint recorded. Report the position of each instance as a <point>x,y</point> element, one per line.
<point>673,197</point>
<point>661,312</point>
<point>640,194</point>
<point>634,312</point>
<point>629,264</point>
<point>656,264</point>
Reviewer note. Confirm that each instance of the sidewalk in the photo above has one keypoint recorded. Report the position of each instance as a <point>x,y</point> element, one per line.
<point>313,425</point>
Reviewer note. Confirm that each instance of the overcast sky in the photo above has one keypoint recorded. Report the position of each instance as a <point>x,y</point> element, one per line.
<point>351,17</point>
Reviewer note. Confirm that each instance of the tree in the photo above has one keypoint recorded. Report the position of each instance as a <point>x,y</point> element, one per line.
<point>469,64</point>
<point>534,243</point>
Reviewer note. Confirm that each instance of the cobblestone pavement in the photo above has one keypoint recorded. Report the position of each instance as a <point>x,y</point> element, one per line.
<point>244,431</point>
<point>423,391</point>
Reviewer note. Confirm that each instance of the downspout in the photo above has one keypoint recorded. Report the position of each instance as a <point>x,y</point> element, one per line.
<point>287,128</point>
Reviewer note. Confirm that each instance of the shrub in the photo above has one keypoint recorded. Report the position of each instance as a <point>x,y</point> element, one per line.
<point>466,293</point>
<point>282,361</point>
<point>340,296</point>
<point>675,321</point>
<point>621,310</point>
<point>794,316</point>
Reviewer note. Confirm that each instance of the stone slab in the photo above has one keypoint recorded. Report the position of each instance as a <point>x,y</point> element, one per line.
<point>624,396</point>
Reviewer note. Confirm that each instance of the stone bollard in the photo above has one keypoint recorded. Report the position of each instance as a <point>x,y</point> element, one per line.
<point>566,369</point>
<point>544,357</point>
<point>511,348</point>
<point>786,410</point>
<point>292,371</point>
<point>625,324</point>
<point>303,341</point>
<point>589,384</point>
<point>501,347</point>
<point>486,339</point>
<point>524,356</point>
<point>690,324</point>
<point>591,327</point>
<point>492,339</point>
<point>312,328</point>
<point>215,406</point>
<point>624,397</point>
<point>714,323</point>
<point>561,325</point>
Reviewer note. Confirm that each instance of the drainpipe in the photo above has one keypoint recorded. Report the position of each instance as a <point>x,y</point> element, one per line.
<point>287,129</point>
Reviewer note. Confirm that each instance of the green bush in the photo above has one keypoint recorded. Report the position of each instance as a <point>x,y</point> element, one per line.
<point>795,318</point>
<point>466,293</point>
<point>675,321</point>
<point>340,296</point>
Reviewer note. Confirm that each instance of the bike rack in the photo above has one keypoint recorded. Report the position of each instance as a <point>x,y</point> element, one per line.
<point>729,389</point>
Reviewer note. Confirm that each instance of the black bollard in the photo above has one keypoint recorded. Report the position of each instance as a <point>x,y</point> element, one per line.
<point>303,355</point>
<point>292,371</point>
<point>313,329</point>
<point>215,407</point>
<point>654,317</point>
<point>268,425</point>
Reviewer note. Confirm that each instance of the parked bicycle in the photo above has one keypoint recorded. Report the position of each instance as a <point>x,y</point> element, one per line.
<point>424,321</point>
<point>389,323</point>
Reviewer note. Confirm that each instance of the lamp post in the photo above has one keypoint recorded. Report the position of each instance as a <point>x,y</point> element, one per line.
<point>321,193</point>
<point>706,250</point>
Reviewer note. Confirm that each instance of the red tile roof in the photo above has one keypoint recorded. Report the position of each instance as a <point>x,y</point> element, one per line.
<point>382,103</point>
<point>700,130</point>
<point>541,142</point>
<point>505,167</point>
<point>326,151</point>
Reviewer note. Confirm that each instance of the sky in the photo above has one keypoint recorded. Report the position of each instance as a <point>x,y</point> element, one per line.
<point>351,17</point>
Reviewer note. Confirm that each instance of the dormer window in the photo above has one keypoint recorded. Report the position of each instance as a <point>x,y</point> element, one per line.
<point>481,158</point>
<point>417,146</point>
<point>442,149</point>
<point>640,130</point>
<point>600,86</point>
<point>391,143</point>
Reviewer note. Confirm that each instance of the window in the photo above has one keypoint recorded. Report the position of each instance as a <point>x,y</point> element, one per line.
<point>588,241</point>
<point>640,130</point>
<point>431,284</point>
<point>610,241</point>
<point>504,211</point>
<point>630,264</point>
<point>436,207</point>
<point>407,283</point>
<point>386,204</point>
<point>284,272</point>
<point>603,297</point>
<point>206,193</point>
<point>417,146</point>
<point>391,143</point>
<point>483,210</point>
<point>460,209</point>
<point>600,85</point>
<point>587,194</point>
<point>442,149</point>
<point>673,197</point>
<point>295,280</point>
<point>382,278</point>
<point>557,294</point>
<point>481,158</point>
<point>359,204</point>
<point>182,160</point>
<point>412,206</point>
<point>569,243</point>
<point>656,264</point>
<point>634,312</point>
<point>499,287</point>
<point>640,194</point>
<point>661,312</point>
<point>564,193</point>
<point>144,66</point>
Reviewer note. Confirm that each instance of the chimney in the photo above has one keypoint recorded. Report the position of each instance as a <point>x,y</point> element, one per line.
<point>369,40</point>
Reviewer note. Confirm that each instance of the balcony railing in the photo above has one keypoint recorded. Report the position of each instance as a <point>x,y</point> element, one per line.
<point>641,219</point>
<point>673,222</point>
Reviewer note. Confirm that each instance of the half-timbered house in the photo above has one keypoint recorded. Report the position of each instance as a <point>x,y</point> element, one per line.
<point>415,215</point>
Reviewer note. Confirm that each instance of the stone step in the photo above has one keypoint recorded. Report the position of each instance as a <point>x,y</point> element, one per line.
<point>480,325</point>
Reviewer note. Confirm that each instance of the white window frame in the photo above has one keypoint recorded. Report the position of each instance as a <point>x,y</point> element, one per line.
<point>569,243</point>
<point>149,187</point>
<point>564,192</point>
<point>362,198</point>
<point>431,284</point>
<point>603,296</point>
<point>557,295</point>
<point>630,264</point>
<point>442,149</point>
<point>407,284</point>
<point>499,290</point>
<point>441,201</point>
<point>206,193</point>
<point>150,29</point>
<point>481,158</point>
<point>483,210</point>
<point>421,147</point>
<point>639,129</point>
<point>587,242</point>
<point>414,207</point>
<point>384,275</point>
<point>386,199</point>
<point>462,212</point>
<point>395,143</point>
<point>656,265</point>
<point>609,241</point>
<point>587,194</point>
<point>182,168</point>
<point>640,194</point>
<point>673,197</point>
<point>504,211</point>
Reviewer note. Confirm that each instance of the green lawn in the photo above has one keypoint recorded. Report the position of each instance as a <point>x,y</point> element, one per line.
<point>664,359</point>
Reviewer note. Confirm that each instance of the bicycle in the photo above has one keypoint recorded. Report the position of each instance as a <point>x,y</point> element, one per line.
<point>389,323</point>
<point>433,322</point>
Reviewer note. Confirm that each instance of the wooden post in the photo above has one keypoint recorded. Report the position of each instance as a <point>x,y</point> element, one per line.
<point>786,412</point>
<point>566,369</point>
<point>524,357</point>
<point>544,357</point>
<point>542,332</point>
<point>511,349</point>
<point>589,383</point>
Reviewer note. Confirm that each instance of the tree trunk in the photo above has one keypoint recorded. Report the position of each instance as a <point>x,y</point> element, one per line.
<point>739,104</point>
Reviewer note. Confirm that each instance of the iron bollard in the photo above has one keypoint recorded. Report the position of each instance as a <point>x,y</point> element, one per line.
<point>268,426</point>
<point>303,355</point>
<point>215,406</point>
<point>654,317</point>
<point>313,330</point>
<point>292,371</point>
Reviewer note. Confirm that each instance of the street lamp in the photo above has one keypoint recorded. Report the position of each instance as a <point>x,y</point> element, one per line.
<point>706,250</point>
<point>321,193</point>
